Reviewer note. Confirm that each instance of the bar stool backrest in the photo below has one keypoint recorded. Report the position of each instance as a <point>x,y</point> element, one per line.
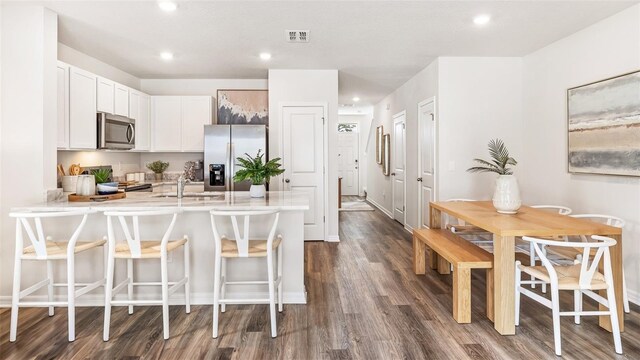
<point>38,238</point>
<point>133,239</point>
<point>242,238</point>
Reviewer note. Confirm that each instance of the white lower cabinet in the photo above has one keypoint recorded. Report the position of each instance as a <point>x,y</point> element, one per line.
<point>82,109</point>
<point>178,122</point>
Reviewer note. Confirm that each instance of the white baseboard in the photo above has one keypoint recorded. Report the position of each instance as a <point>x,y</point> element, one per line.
<point>634,296</point>
<point>380,207</point>
<point>333,238</point>
<point>176,299</point>
<point>408,228</point>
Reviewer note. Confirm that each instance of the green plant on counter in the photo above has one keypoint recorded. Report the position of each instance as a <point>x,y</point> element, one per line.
<point>256,170</point>
<point>101,175</point>
<point>500,160</point>
<point>158,166</point>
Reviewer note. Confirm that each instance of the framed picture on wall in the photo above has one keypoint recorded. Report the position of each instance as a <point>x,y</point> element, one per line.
<point>386,162</point>
<point>379,135</point>
<point>243,107</point>
<point>604,126</point>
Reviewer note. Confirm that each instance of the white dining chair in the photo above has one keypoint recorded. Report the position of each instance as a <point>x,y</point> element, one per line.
<point>562,210</point>
<point>45,248</point>
<point>134,248</point>
<point>581,278</point>
<point>244,246</point>
<point>461,228</point>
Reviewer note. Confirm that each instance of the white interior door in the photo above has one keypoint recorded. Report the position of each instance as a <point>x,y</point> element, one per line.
<point>348,150</point>
<point>303,161</point>
<point>426,159</point>
<point>398,166</point>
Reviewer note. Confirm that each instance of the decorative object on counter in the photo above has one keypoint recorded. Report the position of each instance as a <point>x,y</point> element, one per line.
<point>379,134</point>
<point>257,171</point>
<point>69,183</point>
<point>190,170</point>
<point>86,185</point>
<point>97,198</point>
<point>158,167</point>
<point>104,186</point>
<point>506,198</point>
<point>604,126</point>
<point>386,157</point>
<point>75,169</point>
<point>61,171</point>
<point>243,107</point>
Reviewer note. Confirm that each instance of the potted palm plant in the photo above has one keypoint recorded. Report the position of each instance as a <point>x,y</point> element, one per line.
<point>257,171</point>
<point>506,197</point>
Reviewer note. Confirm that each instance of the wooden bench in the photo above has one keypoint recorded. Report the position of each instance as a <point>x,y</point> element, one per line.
<point>464,256</point>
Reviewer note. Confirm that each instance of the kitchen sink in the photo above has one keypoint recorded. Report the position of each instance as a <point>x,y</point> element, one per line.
<point>214,194</point>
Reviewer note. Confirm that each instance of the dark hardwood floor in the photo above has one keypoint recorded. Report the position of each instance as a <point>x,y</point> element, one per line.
<point>364,302</point>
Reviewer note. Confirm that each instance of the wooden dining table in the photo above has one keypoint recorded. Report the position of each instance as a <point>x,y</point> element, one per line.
<point>526,222</point>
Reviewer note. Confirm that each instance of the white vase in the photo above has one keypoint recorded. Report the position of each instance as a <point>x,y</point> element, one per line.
<point>257,191</point>
<point>86,185</point>
<point>506,198</point>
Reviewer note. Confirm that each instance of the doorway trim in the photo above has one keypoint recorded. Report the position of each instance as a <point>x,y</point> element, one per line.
<point>404,159</point>
<point>325,146</point>
<point>435,154</point>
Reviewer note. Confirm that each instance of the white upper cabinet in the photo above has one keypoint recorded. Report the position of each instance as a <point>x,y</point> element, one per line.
<point>139,111</point>
<point>166,112</point>
<point>63,105</point>
<point>106,95</point>
<point>82,109</point>
<point>121,100</point>
<point>178,122</point>
<point>196,113</point>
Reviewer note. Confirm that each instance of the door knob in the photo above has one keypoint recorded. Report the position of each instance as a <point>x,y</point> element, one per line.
<point>287,181</point>
<point>393,174</point>
<point>419,179</point>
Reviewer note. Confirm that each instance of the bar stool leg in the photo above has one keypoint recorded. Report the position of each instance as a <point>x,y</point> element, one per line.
<point>165,295</point>
<point>108,291</point>
<point>15,298</point>
<point>71,297</point>
<point>272,300</point>
<point>223,285</point>
<point>130,283</point>
<point>216,294</point>
<point>50,286</point>
<point>187,290</point>
<point>280,296</point>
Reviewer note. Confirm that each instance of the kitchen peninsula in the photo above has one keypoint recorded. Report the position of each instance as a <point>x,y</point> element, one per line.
<point>194,221</point>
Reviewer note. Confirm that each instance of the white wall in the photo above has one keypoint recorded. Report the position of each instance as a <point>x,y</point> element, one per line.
<point>364,124</point>
<point>420,87</point>
<point>83,61</point>
<point>608,48</point>
<point>29,55</point>
<point>319,86</point>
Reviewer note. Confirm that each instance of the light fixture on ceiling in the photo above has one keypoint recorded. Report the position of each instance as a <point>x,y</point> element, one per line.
<point>265,56</point>
<point>482,19</point>
<point>167,56</point>
<point>356,99</point>
<point>167,6</point>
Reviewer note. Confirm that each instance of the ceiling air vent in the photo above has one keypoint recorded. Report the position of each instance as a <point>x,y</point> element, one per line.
<point>297,36</point>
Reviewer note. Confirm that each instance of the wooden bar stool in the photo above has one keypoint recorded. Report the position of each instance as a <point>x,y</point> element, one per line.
<point>134,248</point>
<point>44,248</point>
<point>242,246</point>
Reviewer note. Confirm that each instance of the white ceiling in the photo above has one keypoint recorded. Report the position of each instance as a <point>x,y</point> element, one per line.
<point>375,45</point>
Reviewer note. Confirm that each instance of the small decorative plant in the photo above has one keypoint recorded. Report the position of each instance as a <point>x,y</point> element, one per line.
<point>158,166</point>
<point>500,160</point>
<point>101,175</point>
<point>256,170</point>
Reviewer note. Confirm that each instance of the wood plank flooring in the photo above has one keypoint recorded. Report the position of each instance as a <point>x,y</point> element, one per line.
<point>364,303</point>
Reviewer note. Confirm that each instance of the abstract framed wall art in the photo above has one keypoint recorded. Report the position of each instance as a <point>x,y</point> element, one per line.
<point>243,107</point>
<point>379,134</point>
<point>604,126</point>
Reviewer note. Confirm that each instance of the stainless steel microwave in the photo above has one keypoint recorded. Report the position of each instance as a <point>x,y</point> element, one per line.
<point>116,132</point>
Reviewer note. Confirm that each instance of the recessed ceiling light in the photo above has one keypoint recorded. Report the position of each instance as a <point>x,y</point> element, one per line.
<point>356,99</point>
<point>482,19</point>
<point>167,6</point>
<point>166,56</point>
<point>265,56</point>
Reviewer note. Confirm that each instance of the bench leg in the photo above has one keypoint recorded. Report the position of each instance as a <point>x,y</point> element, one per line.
<point>444,267</point>
<point>490,305</point>
<point>433,259</point>
<point>419,261</point>
<point>462,295</point>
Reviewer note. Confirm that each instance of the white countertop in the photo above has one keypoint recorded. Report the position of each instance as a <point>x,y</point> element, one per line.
<point>236,200</point>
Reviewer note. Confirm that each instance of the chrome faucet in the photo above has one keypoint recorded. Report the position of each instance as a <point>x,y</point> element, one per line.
<point>182,181</point>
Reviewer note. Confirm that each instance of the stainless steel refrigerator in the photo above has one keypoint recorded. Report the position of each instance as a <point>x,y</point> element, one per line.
<point>222,145</point>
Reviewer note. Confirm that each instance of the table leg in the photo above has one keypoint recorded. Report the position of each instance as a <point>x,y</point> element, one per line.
<point>437,262</point>
<point>490,305</point>
<point>504,284</point>
<point>419,263</point>
<point>616,267</point>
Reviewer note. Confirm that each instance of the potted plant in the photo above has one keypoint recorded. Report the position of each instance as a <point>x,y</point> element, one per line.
<point>257,171</point>
<point>506,198</point>
<point>103,185</point>
<point>158,167</point>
